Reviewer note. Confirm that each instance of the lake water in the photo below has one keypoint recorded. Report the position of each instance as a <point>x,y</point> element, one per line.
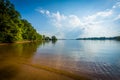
<point>95,58</point>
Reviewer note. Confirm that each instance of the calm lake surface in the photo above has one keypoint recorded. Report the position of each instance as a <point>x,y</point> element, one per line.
<point>96,58</point>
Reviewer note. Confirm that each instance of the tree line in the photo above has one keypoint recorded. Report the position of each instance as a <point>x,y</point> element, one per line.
<point>13,28</point>
<point>100,38</point>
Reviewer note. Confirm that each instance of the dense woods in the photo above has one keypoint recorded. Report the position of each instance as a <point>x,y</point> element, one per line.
<point>100,38</point>
<point>118,38</point>
<point>13,28</point>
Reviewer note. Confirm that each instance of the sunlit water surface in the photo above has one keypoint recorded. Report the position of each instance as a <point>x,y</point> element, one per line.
<point>99,59</point>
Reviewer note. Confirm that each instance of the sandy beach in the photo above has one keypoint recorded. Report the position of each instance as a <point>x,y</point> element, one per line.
<point>20,70</point>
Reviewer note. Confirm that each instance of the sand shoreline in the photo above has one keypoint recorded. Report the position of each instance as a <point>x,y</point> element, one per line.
<point>58,71</point>
<point>17,70</point>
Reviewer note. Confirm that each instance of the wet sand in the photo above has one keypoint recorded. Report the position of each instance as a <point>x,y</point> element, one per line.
<point>21,70</point>
<point>31,73</point>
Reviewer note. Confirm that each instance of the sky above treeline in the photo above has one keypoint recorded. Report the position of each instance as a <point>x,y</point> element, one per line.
<point>72,18</point>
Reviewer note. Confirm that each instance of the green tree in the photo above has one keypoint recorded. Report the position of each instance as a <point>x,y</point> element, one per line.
<point>53,38</point>
<point>12,27</point>
<point>47,38</point>
<point>10,30</point>
<point>29,33</point>
<point>118,38</point>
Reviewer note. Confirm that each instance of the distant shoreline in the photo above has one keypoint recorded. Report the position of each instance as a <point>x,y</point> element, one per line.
<point>100,38</point>
<point>58,39</point>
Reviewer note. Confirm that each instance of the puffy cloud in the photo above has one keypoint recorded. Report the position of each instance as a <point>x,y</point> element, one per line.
<point>70,21</point>
<point>97,24</point>
<point>99,15</point>
<point>42,11</point>
<point>61,20</point>
<point>57,19</point>
<point>117,5</point>
<point>74,21</point>
<point>117,18</point>
<point>58,16</point>
<point>47,12</point>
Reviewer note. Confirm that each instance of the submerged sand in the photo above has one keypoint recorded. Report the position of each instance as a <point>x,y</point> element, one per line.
<point>20,70</point>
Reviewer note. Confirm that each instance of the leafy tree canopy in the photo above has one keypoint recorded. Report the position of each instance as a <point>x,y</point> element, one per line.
<point>12,27</point>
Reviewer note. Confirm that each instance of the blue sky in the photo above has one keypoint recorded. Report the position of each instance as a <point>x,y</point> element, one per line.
<point>72,18</point>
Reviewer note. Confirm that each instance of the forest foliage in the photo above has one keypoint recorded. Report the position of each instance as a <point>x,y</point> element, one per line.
<point>12,27</point>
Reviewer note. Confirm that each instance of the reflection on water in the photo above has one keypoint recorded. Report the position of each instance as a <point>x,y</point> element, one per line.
<point>26,50</point>
<point>99,59</point>
<point>11,54</point>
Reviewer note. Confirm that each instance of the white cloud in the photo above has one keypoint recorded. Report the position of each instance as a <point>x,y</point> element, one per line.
<point>61,20</point>
<point>99,15</point>
<point>47,12</point>
<point>117,5</point>
<point>105,13</point>
<point>117,18</point>
<point>98,31</point>
<point>42,11</point>
<point>59,17</point>
<point>97,24</point>
<point>74,21</point>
